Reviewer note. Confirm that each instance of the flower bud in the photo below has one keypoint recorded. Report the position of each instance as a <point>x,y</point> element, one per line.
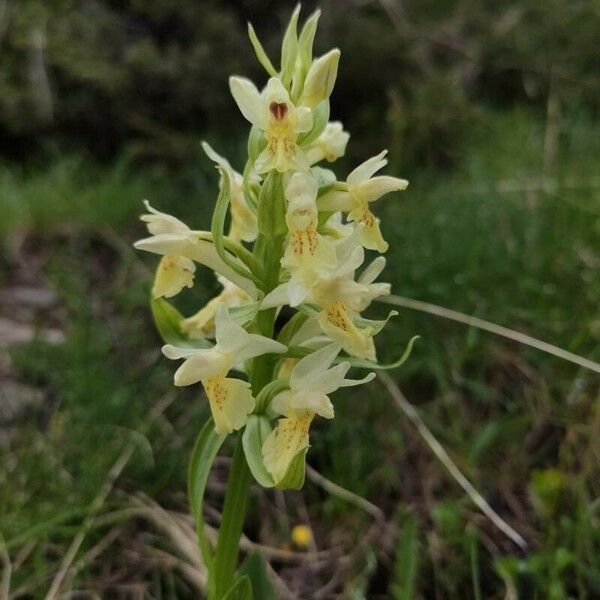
<point>320,79</point>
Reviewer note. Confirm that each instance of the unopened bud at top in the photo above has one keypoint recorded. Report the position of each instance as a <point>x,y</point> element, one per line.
<point>320,79</point>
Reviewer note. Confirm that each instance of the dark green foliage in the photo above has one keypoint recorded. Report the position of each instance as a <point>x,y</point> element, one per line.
<point>152,75</point>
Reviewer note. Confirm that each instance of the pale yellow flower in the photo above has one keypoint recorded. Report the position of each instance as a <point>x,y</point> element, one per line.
<point>354,197</point>
<point>311,382</point>
<point>174,240</point>
<point>339,296</point>
<point>307,253</point>
<point>281,121</point>
<point>231,400</point>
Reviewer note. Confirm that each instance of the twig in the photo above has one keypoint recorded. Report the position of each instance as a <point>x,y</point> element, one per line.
<point>343,494</point>
<point>511,334</point>
<point>407,408</point>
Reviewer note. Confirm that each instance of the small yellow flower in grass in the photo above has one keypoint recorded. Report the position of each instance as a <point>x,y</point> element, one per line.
<point>179,245</point>
<point>281,121</point>
<point>311,382</point>
<point>360,189</point>
<point>307,251</point>
<point>302,536</point>
<point>231,400</point>
<point>243,219</point>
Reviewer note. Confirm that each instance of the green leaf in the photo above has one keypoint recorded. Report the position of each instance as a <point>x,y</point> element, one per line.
<point>407,560</point>
<point>289,48</point>
<point>291,328</point>
<point>256,144</point>
<point>306,39</point>
<point>205,449</point>
<point>263,59</point>
<point>168,322</point>
<point>255,568</point>
<point>241,590</point>
<point>218,224</point>
<point>305,53</point>
<point>367,364</point>
<point>269,391</point>
<point>256,431</point>
<point>294,476</point>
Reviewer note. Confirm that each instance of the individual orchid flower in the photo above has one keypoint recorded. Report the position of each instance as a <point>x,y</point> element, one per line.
<point>354,197</point>
<point>311,382</point>
<point>243,218</point>
<point>330,145</point>
<point>307,252</point>
<point>338,295</point>
<point>367,279</point>
<point>202,324</point>
<point>231,400</point>
<point>281,121</point>
<point>181,247</point>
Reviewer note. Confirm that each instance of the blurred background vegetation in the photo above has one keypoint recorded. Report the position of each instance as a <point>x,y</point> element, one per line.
<point>491,110</point>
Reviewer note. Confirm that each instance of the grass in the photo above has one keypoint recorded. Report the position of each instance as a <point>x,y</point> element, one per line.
<point>519,423</point>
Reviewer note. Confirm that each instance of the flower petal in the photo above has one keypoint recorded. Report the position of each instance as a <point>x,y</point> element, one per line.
<point>229,336</point>
<point>372,271</point>
<point>367,169</point>
<point>276,92</point>
<point>305,119</point>
<point>372,239</point>
<point>311,367</point>
<point>231,402</point>
<point>376,187</point>
<point>284,442</point>
<point>158,222</point>
<point>258,345</point>
<point>248,99</point>
<point>265,161</point>
<point>315,401</point>
<point>168,243</point>
<point>336,200</point>
<point>291,293</point>
<point>200,366</point>
<point>340,328</point>
<point>172,275</point>
<point>353,382</point>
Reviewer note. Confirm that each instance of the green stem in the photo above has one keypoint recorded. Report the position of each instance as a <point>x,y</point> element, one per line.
<point>232,521</point>
<point>268,249</point>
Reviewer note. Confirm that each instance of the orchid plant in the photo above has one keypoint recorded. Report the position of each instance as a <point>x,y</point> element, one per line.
<point>297,237</point>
